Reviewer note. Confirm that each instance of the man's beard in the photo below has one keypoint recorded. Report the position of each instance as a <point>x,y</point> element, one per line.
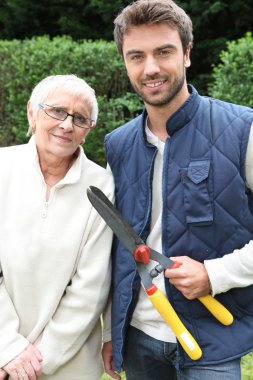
<point>174,89</point>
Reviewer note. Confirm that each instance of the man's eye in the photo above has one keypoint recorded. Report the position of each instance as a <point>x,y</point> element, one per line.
<point>164,52</point>
<point>136,57</point>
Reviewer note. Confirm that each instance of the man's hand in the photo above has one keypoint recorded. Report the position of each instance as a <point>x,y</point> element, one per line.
<point>191,278</point>
<point>25,366</point>
<point>108,360</point>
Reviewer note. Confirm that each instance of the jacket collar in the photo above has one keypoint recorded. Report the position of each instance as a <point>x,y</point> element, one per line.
<point>185,113</point>
<point>74,173</point>
<point>182,116</point>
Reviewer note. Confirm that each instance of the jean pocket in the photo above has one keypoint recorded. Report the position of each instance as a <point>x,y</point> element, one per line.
<point>197,203</point>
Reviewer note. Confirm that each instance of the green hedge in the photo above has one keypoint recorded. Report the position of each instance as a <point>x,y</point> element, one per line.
<point>24,63</point>
<point>233,77</point>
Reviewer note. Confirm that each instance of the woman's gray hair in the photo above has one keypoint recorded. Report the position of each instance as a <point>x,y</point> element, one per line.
<point>69,82</point>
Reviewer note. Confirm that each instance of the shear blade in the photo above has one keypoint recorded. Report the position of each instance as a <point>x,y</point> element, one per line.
<point>113,218</point>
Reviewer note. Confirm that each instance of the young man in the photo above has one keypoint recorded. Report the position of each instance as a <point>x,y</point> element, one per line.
<point>179,171</point>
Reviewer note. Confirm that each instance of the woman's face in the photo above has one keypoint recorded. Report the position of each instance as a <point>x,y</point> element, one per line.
<point>56,138</point>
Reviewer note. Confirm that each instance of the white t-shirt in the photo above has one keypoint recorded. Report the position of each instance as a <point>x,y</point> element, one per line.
<point>145,317</point>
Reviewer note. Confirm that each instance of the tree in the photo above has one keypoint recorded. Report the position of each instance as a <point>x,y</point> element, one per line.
<point>90,19</point>
<point>233,77</point>
<point>25,62</point>
<point>215,22</point>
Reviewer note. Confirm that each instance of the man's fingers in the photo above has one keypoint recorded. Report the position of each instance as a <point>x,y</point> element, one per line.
<point>113,374</point>
<point>108,360</point>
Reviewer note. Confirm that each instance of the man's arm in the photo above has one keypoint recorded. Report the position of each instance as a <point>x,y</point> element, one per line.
<point>194,279</point>
<point>108,360</point>
<point>234,270</point>
<point>191,278</point>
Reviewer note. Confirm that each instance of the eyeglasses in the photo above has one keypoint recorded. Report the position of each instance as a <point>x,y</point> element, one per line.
<point>59,114</point>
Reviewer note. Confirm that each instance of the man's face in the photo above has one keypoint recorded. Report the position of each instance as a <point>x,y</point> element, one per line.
<point>155,63</point>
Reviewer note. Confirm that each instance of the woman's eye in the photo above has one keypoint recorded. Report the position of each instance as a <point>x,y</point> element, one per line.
<point>80,118</point>
<point>59,111</point>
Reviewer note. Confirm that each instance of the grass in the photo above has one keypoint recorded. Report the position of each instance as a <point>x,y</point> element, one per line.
<point>107,377</point>
<point>247,369</point>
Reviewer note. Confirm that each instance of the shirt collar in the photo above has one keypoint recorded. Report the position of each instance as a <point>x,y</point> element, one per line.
<point>74,172</point>
<point>152,138</point>
<point>181,117</point>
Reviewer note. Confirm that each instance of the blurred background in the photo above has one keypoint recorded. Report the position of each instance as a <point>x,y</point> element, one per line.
<point>59,36</point>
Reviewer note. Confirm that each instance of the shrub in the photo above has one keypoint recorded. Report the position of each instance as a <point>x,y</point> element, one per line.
<point>113,113</point>
<point>25,63</point>
<point>232,79</point>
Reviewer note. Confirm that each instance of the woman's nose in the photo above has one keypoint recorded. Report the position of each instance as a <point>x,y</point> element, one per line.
<point>67,124</point>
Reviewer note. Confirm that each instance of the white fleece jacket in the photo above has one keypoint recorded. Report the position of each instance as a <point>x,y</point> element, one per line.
<point>55,264</point>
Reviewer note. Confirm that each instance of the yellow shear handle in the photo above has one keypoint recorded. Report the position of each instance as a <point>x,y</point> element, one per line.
<point>163,306</point>
<point>217,309</point>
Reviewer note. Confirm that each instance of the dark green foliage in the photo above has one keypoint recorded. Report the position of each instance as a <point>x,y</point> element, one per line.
<point>76,18</point>
<point>25,63</point>
<point>113,113</point>
<point>233,77</point>
<point>215,22</point>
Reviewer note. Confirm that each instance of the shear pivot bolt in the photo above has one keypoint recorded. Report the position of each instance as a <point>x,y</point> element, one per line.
<point>142,254</point>
<point>156,271</point>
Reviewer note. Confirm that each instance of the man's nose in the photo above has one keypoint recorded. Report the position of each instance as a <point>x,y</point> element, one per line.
<point>151,66</point>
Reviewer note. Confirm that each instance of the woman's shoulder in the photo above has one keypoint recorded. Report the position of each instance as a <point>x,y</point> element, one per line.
<point>12,153</point>
<point>92,172</point>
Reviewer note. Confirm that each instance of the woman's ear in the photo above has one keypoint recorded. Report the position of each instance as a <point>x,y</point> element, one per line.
<point>30,117</point>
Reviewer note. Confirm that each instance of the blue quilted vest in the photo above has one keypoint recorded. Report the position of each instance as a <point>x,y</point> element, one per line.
<point>206,214</point>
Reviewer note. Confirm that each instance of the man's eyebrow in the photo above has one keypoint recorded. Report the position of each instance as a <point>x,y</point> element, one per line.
<point>159,48</point>
<point>134,51</point>
<point>166,46</point>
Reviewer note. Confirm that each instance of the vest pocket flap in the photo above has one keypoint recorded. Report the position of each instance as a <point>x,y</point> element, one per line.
<point>197,202</point>
<point>198,171</point>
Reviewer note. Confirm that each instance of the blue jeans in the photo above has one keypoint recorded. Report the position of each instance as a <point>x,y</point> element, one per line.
<point>225,371</point>
<point>151,359</point>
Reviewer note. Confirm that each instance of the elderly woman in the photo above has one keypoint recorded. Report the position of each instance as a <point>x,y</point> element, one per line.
<point>54,248</point>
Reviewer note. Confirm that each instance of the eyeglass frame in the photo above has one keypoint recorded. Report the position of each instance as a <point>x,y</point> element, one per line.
<point>91,122</point>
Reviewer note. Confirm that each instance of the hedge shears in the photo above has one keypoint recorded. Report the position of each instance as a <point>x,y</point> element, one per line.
<point>142,255</point>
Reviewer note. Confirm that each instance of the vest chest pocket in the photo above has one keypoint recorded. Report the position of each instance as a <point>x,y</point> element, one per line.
<point>197,203</point>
